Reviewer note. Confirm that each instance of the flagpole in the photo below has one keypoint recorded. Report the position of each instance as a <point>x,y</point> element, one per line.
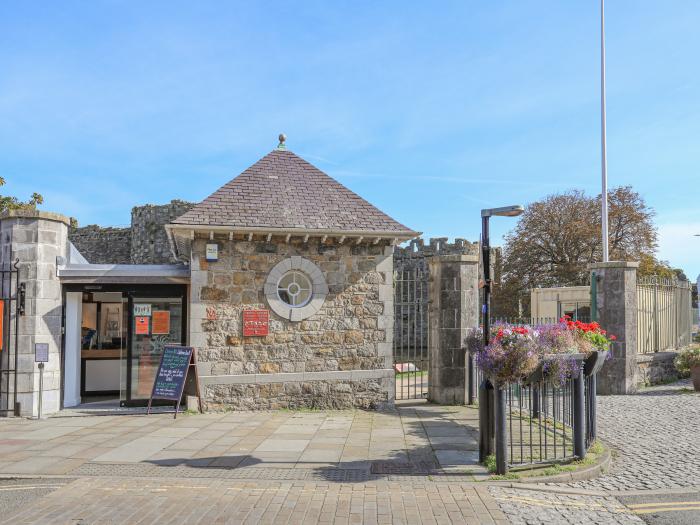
<point>604,159</point>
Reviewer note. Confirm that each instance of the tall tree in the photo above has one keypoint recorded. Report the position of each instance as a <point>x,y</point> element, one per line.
<point>13,203</point>
<point>558,237</point>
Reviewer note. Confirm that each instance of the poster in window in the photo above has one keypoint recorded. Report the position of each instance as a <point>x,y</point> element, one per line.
<point>161,322</point>
<point>141,325</point>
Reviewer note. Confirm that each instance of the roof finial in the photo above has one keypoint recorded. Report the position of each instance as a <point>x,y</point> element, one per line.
<point>282,138</point>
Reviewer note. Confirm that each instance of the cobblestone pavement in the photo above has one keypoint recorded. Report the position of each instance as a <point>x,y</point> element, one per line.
<point>655,439</point>
<point>527,507</point>
<point>135,501</point>
<point>656,446</point>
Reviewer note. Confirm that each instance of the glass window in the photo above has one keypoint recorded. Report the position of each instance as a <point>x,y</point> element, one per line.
<point>89,326</point>
<point>294,289</point>
<point>150,333</point>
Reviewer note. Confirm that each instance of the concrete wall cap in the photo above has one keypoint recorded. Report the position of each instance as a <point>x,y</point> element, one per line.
<point>657,356</point>
<point>613,264</point>
<point>456,258</point>
<point>30,213</point>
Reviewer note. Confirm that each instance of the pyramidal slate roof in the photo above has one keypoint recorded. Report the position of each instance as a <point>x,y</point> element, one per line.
<point>284,192</point>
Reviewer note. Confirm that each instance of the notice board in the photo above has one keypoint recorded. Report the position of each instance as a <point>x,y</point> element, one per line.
<point>178,368</point>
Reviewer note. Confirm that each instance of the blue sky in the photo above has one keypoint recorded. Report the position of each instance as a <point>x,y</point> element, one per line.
<point>429,110</point>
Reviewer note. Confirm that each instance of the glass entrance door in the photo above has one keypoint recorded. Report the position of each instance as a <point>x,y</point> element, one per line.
<point>153,323</point>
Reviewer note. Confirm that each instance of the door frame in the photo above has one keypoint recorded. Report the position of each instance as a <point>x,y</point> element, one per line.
<point>129,290</point>
<point>147,293</point>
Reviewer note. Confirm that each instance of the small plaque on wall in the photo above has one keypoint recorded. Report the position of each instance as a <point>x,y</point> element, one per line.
<point>41,352</point>
<point>256,323</point>
<point>212,252</point>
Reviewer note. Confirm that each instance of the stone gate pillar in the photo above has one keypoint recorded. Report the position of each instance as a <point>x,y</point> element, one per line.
<point>36,238</point>
<point>616,306</point>
<point>453,309</point>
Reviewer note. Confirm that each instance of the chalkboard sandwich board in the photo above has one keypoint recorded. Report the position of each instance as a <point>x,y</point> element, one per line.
<point>177,372</point>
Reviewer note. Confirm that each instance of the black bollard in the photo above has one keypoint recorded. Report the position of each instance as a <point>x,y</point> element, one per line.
<point>579,416</point>
<point>501,431</point>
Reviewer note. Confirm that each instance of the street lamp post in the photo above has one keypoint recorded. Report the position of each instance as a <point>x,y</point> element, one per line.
<point>488,420</point>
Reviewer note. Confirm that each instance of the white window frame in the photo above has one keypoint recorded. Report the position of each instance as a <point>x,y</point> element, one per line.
<point>319,289</point>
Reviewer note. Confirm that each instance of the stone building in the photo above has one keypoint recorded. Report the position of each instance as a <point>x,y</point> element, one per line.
<point>292,240</point>
<point>281,280</point>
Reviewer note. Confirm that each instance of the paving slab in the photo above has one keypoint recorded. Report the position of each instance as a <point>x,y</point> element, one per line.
<point>136,450</point>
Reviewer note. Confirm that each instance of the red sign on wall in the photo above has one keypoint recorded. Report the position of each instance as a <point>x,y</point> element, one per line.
<point>256,323</point>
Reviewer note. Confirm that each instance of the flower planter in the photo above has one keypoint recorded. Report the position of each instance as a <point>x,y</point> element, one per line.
<point>594,362</point>
<point>538,374</point>
<point>695,374</point>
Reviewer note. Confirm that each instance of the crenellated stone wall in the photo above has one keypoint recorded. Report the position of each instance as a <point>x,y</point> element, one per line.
<point>149,240</point>
<point>339,357</point>
<point>145,242</point>
<point>412,264</point>
<point>102,245</point>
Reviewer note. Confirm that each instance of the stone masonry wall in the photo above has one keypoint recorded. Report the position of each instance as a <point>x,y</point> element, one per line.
<point>102,245</point>
<point>149,240</point>
<point>35,238</point>
<point>656,368</point>
<point>413,260</point>
<point>338,358</point>
<point>145,242</point>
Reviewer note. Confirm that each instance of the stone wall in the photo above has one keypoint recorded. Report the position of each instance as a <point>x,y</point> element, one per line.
<point>656,368</point>
<point>616,306</point>
<point>149,240</point>
<point>102,245</point>
<point>35,238</point>
<point>454,309</point>
<point>412,264</point>
<point>338,358</point>
<point>145,242</point>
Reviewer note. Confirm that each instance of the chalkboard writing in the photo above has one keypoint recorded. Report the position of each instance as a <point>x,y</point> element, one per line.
<point>172,373</point>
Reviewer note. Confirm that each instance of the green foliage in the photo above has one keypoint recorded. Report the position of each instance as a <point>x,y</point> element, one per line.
<point>13,203</point>
<point>558,236</point>
<point>598,340</point>
<point>687,359</point>
<point>504,477</point>
<point>596,448</point>
<point>417,373</point>
<point>490,463</point>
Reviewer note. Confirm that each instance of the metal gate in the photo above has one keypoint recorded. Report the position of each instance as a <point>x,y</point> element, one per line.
<point>11,307</point>
<point>411,332</point>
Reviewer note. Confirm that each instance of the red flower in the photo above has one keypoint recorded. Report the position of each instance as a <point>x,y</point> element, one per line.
<point>613,338</point>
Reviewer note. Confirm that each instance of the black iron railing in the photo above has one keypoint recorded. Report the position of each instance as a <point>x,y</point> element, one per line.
<point>12,305</point>
<point>537,422</point>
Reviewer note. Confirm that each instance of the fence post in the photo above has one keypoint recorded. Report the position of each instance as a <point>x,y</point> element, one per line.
<point>453,309</point>
<point>501,431</point>
<point>535,401</point>
<point>486,420</point>
<point>471,378</point>
<point>579,415</point>
<point>616,306</point>
<point>592,401</point>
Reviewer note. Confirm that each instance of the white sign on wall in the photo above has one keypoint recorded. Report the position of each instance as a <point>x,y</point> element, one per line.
<point>41,352</point>
<point>212,254</point>
<point>142,310</point>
